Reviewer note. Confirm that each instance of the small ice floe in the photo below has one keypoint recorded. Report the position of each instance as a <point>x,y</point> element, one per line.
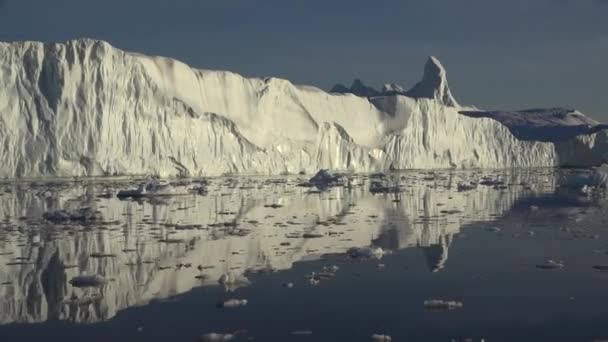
<point>314,278</point>
<point>88,281</point>
<point>78,215</point>
<point>366,253</point>
<point>288,285</point>
<point>493,229</point>
<point>231,281</point>
<point>381,338</point>
<point>438,304</point>
<point>233,303</point>
<point>215,337</point>
<point>587,190</point>
<point>551,265</point>
<point>301,333</point>
<point>601,267</point>
<point>463,186</point>
<point>333,268</point>
<point>324,179</point>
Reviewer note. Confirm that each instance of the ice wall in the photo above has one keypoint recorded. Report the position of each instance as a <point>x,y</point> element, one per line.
<point>84,108</point>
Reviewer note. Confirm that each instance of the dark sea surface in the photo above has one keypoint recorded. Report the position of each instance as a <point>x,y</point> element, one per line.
<point>165,264</point>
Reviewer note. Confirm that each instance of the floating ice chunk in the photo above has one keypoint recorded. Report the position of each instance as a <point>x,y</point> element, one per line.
<point>301,332</point>
<point>551,265</point>
<point>438,304</point>
<point>333,268</point>
<point>366,252</point>
<point>324,179</point>
<point>381,338</point>
<point>215,337</point>
<point>88,281</point>
<point>233,303</point>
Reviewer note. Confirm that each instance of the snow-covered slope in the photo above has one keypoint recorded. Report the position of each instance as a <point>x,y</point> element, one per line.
<point>86,108</point>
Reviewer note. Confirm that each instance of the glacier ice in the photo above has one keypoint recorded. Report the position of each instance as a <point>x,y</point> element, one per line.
<point>357,88</point>
<point>550,125</point>
<point>85,108</point>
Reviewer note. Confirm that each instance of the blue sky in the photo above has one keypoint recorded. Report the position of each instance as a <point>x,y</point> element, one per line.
<point>499,54</point>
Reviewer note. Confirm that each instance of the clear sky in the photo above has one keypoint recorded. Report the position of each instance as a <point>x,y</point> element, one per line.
<point>500,54</point>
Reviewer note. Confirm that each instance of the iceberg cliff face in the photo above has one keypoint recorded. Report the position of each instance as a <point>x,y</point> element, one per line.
<point>85,108</point>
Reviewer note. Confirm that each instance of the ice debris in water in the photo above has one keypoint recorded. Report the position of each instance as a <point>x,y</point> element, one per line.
<point>233,303</point>
<point>366,252</point>
<point>81,215</point>
<point>232,281</point>
<point>438,304</point>
<point>324,179</point>
<point>601,267</point>
<point>215,337</point>
<point>551,265</point>
<point>88,281</point>
<point>381,338</point>
<point>301,332</point>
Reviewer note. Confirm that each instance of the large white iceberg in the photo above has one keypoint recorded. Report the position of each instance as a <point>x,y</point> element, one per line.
<point>84,108</point>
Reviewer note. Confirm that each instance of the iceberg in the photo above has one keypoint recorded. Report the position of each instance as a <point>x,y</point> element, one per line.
<point>86,108</point>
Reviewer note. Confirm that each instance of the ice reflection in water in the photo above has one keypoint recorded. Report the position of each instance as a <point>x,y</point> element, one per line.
<point>154,249</point>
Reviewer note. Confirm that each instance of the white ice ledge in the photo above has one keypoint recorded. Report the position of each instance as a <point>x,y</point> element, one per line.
<point>84,108</point>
